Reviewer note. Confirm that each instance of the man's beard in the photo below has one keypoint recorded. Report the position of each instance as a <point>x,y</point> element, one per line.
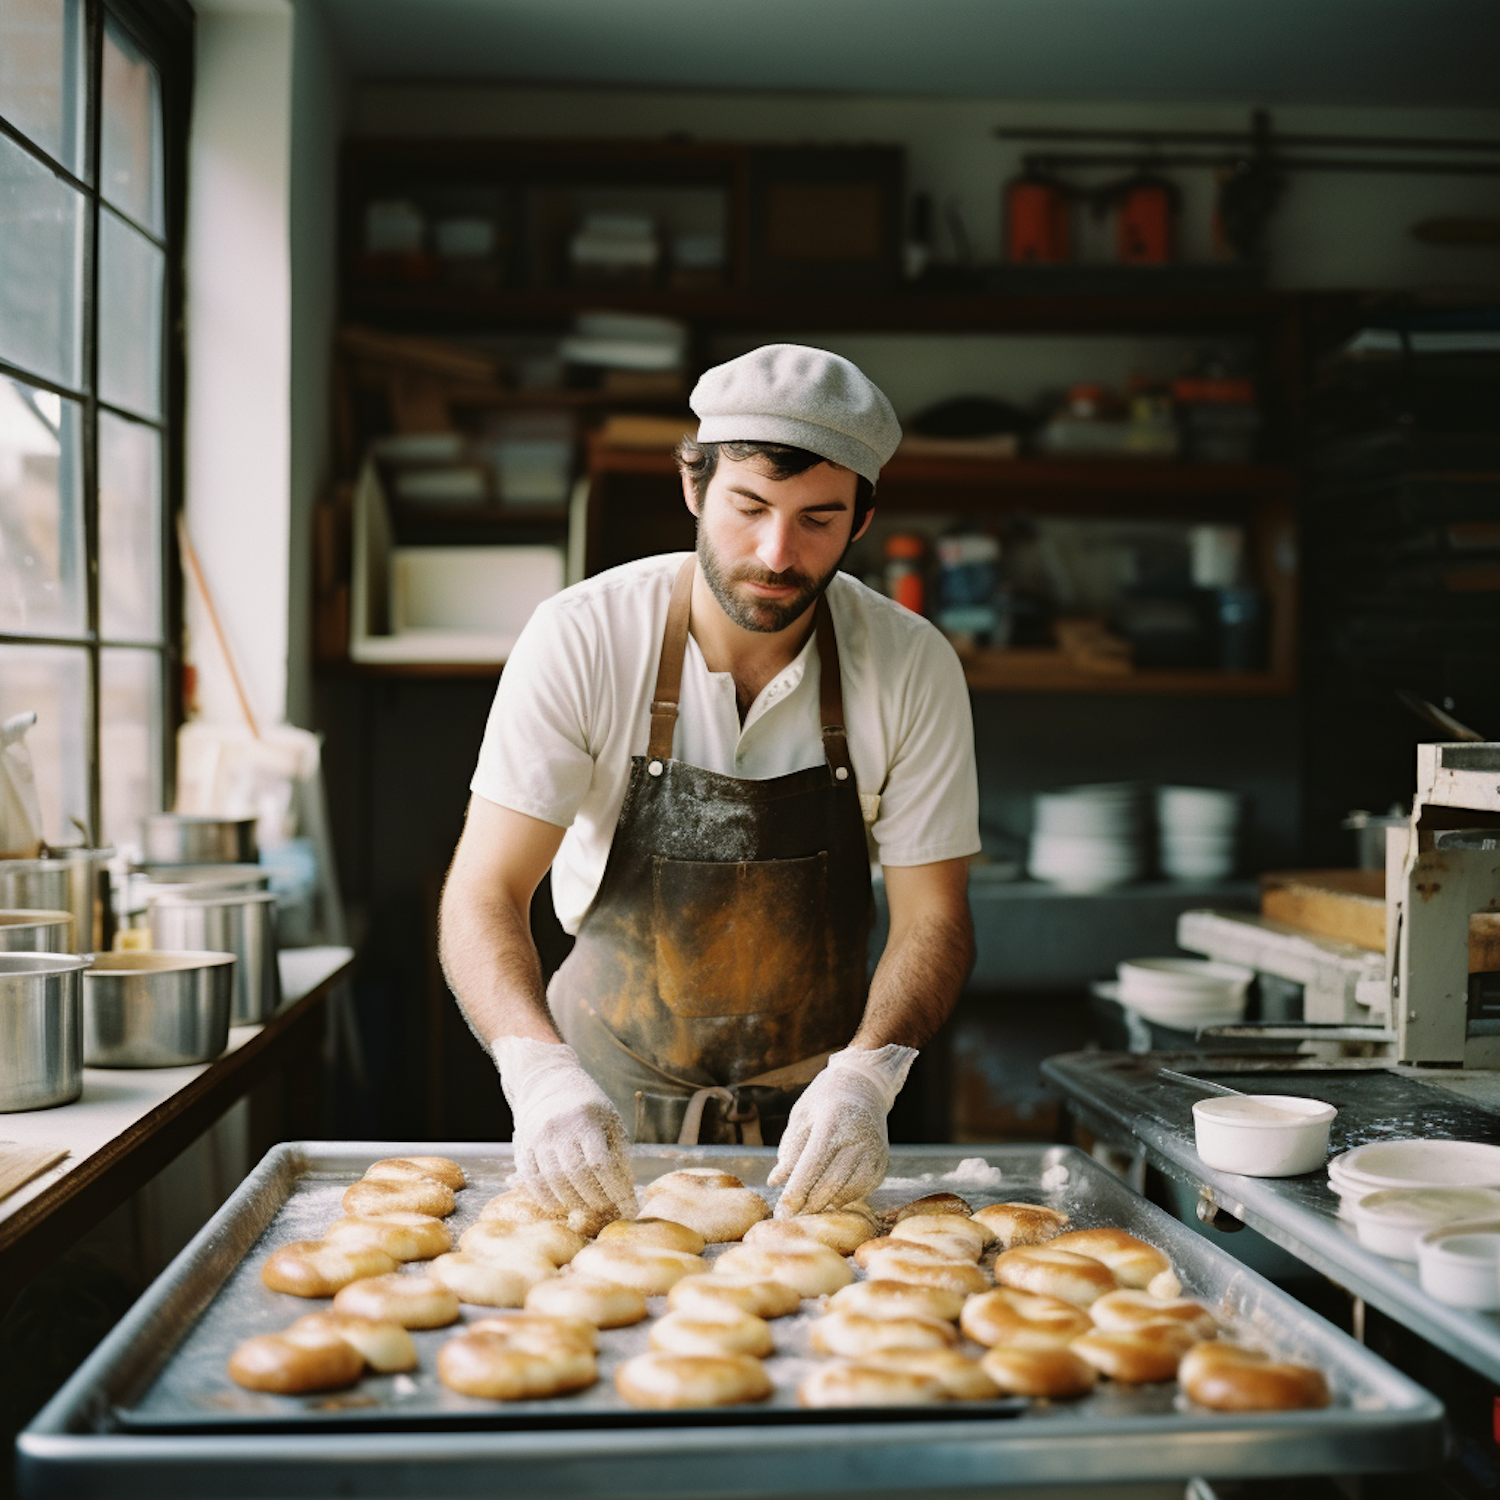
<point>764,615</point>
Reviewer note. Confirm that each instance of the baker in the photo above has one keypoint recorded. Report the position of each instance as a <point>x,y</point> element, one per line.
<point>703,749</point>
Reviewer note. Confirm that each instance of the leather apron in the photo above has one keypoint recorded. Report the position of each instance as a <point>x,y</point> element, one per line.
<point>725,954</point>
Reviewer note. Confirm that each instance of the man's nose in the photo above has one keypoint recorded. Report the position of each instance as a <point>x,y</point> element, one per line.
<point>775,550</point>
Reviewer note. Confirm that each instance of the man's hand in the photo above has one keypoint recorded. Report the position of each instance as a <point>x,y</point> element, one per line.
<point>835,1148</point>
<point>572,1148</point>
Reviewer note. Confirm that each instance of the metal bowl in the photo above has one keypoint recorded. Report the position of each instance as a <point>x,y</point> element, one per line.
<point>41,1030</point>
<point>75,880</point>
<point>36,931</point>
<point>239,922</point>
<point>156,1010</point>
<point>197,839</point>
<point>139,886</point>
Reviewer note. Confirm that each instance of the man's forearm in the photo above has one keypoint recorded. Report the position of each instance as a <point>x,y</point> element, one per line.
<point>917,981</point>
<point>490,962</point>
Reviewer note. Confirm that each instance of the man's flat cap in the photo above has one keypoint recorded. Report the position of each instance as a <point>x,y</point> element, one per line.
<point>808,398</point>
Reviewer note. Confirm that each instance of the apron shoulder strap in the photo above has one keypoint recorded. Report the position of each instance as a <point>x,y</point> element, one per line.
<point>831,696</point>
<point>669,668</point>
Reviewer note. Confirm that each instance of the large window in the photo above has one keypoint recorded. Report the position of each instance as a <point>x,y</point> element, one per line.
<point>93,112</point>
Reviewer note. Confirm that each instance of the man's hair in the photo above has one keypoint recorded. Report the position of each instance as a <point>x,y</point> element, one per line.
<point>781,461</point>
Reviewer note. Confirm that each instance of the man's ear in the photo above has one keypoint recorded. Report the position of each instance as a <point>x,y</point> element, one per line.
<point>863,526</point>
<point>689,494</point>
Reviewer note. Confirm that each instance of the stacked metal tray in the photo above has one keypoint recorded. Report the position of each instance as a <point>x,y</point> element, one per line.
<point>152,1412</point>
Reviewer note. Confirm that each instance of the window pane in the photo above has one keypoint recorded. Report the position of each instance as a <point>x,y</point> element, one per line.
<point>130,129</point>
<point>130,292</point>
<point>41,267</point>
<point>53,681</point>
<point>129,529</point>
<point>41,75</point>
<point>41,517</point>
<point>130,719</point>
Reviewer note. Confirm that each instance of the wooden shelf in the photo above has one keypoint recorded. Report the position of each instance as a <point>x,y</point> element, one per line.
<point>1041,671</point>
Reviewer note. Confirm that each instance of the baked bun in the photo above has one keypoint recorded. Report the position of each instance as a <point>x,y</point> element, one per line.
<point>957,1237</point>
<point>386,1347</point>
<point>839,1229</point>
<point>1022,1223</point>
<point>401,1236</point>
<point>411,1301</point>
<point>898,1299</point>
<point>498,1239</point>
<point>1137,1357</point>
<point>751,1294</point>
<point>1022,1320</point>
<point>674,1381</point>
<point>488,1282</point>
<point>519,1207</point>
<point>296,1361</point>
<point>850,1382</point>
<point>963,1378</point>
<point>504,1364</point>
<point>1229,1377</point>
<point>918,1248</point>
<point>726,1331</point>
<point>855,1334</point>
<point>417,1169</point>
<point>1134,1262</point>
<point>662,1233</point>
<point>1078,1279</point>
<point>719,1206</point>
<point>650,1269</point>
<point>605,1304</point>
<point>933,1203</point>
<point>534,1330</point>
<point>1057,1374</point>
<point>1121,1311</point>
<point>811,1269</point>
<point>900,1262</point>
<point>311,1268</point>
<point>419,1195</point>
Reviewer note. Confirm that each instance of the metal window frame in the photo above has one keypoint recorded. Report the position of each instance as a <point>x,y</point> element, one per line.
<point>163,30</point>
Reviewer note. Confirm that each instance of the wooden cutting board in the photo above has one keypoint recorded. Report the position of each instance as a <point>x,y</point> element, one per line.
<point>19,1164</point>
<point>1350,905</point>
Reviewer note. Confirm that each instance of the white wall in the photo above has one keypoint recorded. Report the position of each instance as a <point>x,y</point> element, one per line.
<point>1330,231</point>
<point>260,267</point>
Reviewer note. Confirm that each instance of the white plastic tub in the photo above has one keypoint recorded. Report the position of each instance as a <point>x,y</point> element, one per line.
<point>1263,1135</point>
<point>1392,1220</point>
<point>1459,1264</point>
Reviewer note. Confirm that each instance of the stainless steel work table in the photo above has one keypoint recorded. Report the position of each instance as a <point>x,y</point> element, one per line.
<point>1123,1099</point>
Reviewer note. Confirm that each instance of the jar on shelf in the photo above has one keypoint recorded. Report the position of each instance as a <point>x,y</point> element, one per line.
<point>904,580</point>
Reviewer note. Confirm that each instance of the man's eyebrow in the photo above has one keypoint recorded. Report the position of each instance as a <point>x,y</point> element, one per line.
<point>749,494</point>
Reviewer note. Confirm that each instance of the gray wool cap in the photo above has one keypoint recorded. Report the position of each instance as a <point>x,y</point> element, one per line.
<point>808,398</point>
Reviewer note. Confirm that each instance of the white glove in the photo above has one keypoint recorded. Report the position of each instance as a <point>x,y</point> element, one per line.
<point>572,1148</point>
<point>835,1147</point>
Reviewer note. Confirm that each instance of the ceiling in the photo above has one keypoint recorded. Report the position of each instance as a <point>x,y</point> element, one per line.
<point>1370,52</point>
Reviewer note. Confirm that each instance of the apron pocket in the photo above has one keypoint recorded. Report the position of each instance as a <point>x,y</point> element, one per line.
<point>741,939</point>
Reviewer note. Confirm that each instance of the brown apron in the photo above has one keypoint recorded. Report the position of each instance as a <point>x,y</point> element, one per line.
<point>724,955</point>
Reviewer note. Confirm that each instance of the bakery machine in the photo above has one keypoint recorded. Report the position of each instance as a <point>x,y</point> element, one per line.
<point>1432,999</point>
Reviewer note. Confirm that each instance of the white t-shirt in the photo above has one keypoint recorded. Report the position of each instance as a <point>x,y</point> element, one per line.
<point>574,705</point>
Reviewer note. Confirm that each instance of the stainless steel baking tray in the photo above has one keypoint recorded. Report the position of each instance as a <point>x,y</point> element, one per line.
<point>152,1411</point>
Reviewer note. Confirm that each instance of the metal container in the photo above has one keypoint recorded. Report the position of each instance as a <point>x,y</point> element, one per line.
<point>41,1031</point>
<point>36,931</point>
<point>156,1010</point>
<point>197,839</point>
<point>139,886</point>
<point>74,880</point>
<point>239,922</point>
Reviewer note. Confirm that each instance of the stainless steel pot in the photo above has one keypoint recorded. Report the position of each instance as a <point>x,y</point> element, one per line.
<point>197,839</point>
<point>139,886</point>
<point>36,931</point>
<point>75,880</point>
<point>156,1010</point>
<point>41,1031</point>
<point>239,922</point>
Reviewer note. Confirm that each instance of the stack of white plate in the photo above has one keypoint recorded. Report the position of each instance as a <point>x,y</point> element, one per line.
<point>1199,829</point>
<point>1184,992</point>
<point>1413,1163</point>
<point>1089,838</point>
